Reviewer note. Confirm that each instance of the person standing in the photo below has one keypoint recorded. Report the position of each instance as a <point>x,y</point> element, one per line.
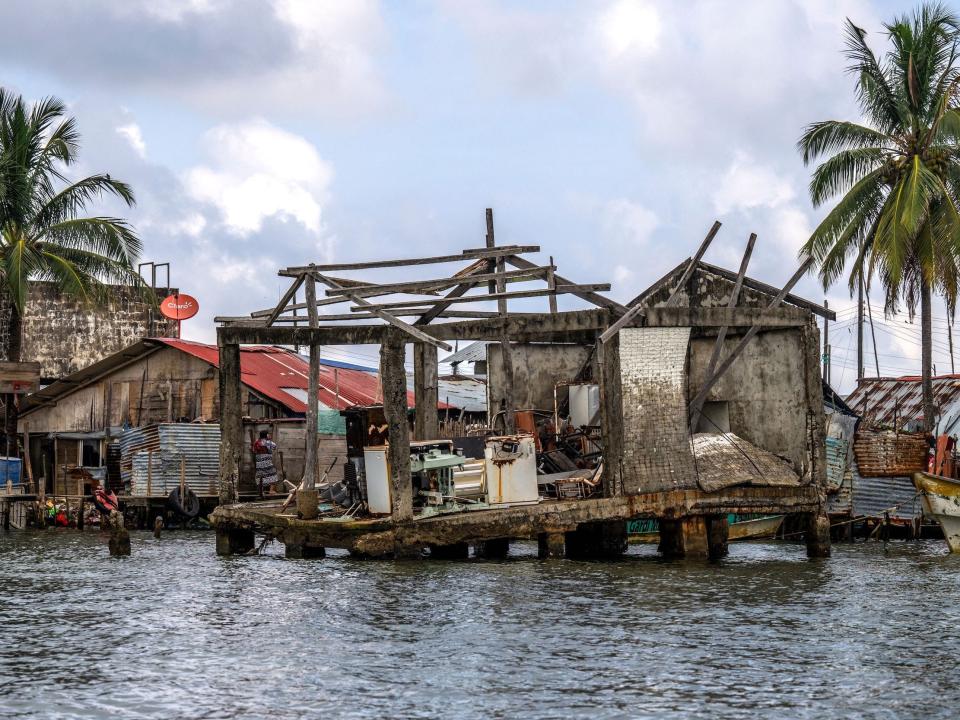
<point>263,450</point>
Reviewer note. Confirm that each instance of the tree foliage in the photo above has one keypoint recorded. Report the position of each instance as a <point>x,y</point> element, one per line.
<point>44,231</point>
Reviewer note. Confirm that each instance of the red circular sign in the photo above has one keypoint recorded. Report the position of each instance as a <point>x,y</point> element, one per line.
<point>179,307</point>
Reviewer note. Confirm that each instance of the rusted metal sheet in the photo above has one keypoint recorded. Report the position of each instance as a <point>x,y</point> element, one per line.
<point>836,461</point>
<point>872,496</point>
<point>898,402</point>
<point>885,453</point>
<point>152,458</point>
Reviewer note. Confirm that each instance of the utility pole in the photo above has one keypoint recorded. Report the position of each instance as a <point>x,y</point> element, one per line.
<point>826,344</point>
<point>860,328</point>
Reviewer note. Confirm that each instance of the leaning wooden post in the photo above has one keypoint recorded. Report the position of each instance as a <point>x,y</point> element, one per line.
<point>307,496</point>
<point>394,382</point>
<point>505,354</point>
<point>231,423</point>
<point>722,334</point>
<point>426,391</point>
<point>611,416</point>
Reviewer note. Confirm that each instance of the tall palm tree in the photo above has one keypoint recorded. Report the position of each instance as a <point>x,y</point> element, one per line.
<point>897,172</point>
<point>44,234</point>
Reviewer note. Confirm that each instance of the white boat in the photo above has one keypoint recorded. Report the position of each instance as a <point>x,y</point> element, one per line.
<point>941,500</point>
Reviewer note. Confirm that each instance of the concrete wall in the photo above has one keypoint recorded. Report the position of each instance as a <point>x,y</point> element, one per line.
<point>764,389</point>
<point>536,369</point>
<point>162,387</point>
<point>64,335</point>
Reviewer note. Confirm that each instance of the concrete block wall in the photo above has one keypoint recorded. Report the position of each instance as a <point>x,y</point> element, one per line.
<point>65,335</point>
<point>656,439</point>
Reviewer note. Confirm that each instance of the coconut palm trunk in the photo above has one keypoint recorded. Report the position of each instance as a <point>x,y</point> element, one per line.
<point>926,354</point>
<point>11,415</point>
<point>44,232</point>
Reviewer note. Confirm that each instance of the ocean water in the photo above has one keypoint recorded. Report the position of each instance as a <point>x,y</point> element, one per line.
<point>176,632</point>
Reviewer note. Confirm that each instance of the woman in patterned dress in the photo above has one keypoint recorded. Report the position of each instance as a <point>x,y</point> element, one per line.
<point>263,450</point>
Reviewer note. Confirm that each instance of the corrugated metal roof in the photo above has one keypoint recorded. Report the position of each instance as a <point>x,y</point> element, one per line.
<point>271,372</point>
<point>473,352</point>
<point>461,392</point>
<point>898,402</point>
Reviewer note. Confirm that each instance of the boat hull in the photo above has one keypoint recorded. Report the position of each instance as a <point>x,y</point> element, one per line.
<point>941,501</point>
<point>755,529</point>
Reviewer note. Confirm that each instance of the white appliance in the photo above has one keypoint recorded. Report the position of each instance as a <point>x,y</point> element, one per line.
<point>584,405</point>
<point>510,469</point>
<point>377,472</point>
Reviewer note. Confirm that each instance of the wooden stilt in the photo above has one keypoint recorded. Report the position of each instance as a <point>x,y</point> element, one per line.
<point>394,382</point>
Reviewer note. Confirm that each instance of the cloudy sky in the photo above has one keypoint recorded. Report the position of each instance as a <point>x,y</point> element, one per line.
<point>610,132</point>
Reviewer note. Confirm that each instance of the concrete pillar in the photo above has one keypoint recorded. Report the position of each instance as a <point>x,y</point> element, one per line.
<point>234,541</point>
<point>303,551</point>
<point>606,539</point>
<point>425,389</point>
<point>684,537</point>
<point>457,551</point>
<point>394,381</point>
<point>551,545</point>
<point>718,535</point>
<point>492,549</point>
<point>611,416</point>
<point>817,534</point>
<point>231,423</point>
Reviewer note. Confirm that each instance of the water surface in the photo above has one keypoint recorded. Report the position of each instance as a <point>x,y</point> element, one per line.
<point>176,632</point>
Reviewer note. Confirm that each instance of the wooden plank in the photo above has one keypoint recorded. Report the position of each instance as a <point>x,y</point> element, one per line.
<point>391,319</point>
<point>299,306</point>
<point>287,296</point>
<point>691,266</point>
<point>754,329</point>
<point>722,335</point>
<point>465,255</point>
<point>571,289</point>
<point>437,283</point>
<point>523,327</point>
<point>426,391</point>
<point>590,297</point>
<point>552,282</point>
<point>458,291</point>
<point>506,355</point>
<point>313,391</point>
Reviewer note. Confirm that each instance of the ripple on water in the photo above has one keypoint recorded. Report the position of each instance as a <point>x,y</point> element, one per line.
<point>174,631</point>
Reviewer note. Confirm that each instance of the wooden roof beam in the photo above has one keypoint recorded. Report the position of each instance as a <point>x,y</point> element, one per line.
<point>468,254</point>
<point>571,289</point>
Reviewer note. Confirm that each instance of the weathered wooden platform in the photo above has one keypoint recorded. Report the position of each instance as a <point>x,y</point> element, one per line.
<point>383,537</point>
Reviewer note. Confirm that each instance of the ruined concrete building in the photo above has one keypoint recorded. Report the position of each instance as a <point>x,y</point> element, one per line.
<point>708,401</point>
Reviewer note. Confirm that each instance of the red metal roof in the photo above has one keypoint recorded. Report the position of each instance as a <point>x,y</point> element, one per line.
<point>268,370</point>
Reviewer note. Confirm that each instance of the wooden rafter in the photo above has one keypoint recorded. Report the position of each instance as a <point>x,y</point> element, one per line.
<point>387,317</point>
<point>560,289</point>
<point>468,254</point>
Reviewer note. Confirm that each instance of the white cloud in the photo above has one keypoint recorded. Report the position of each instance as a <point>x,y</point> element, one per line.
<point>627,222</point>
<point>629,29</point>
<point>133,135</point>
<point>257,171</point>
<point>747,184</point>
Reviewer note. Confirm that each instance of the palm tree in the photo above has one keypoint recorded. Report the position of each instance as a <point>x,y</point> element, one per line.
<point>898,172</point>
<point>44,234</point>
